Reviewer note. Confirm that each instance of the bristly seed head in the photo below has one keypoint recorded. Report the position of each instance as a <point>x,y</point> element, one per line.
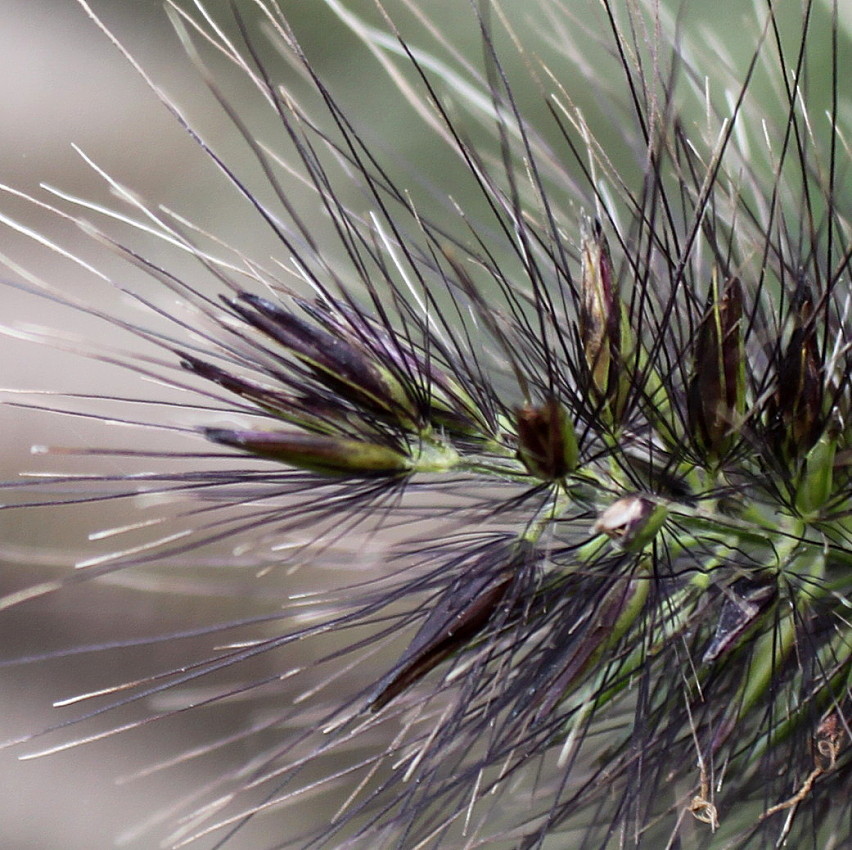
<point>554,529</point>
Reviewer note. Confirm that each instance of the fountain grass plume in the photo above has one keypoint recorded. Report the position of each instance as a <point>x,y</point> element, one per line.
<point>583,415</point>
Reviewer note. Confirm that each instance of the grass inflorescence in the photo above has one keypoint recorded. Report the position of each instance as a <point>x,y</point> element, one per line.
<point>593,424</point>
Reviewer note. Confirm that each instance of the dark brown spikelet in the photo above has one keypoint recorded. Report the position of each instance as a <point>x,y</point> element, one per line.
<point>335,359</point>
<point>716,395</point>
<point>469,605</point>
<point>795,415</point>
<point>547,444</point>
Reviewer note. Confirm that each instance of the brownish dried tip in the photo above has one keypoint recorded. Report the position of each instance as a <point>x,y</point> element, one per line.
<point>632,521</point>
<point>831,739</point>
<point>600,312</point>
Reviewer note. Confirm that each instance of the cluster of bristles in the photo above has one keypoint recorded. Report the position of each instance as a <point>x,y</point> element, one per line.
<point>631,608</point>
<point>721,492</point>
